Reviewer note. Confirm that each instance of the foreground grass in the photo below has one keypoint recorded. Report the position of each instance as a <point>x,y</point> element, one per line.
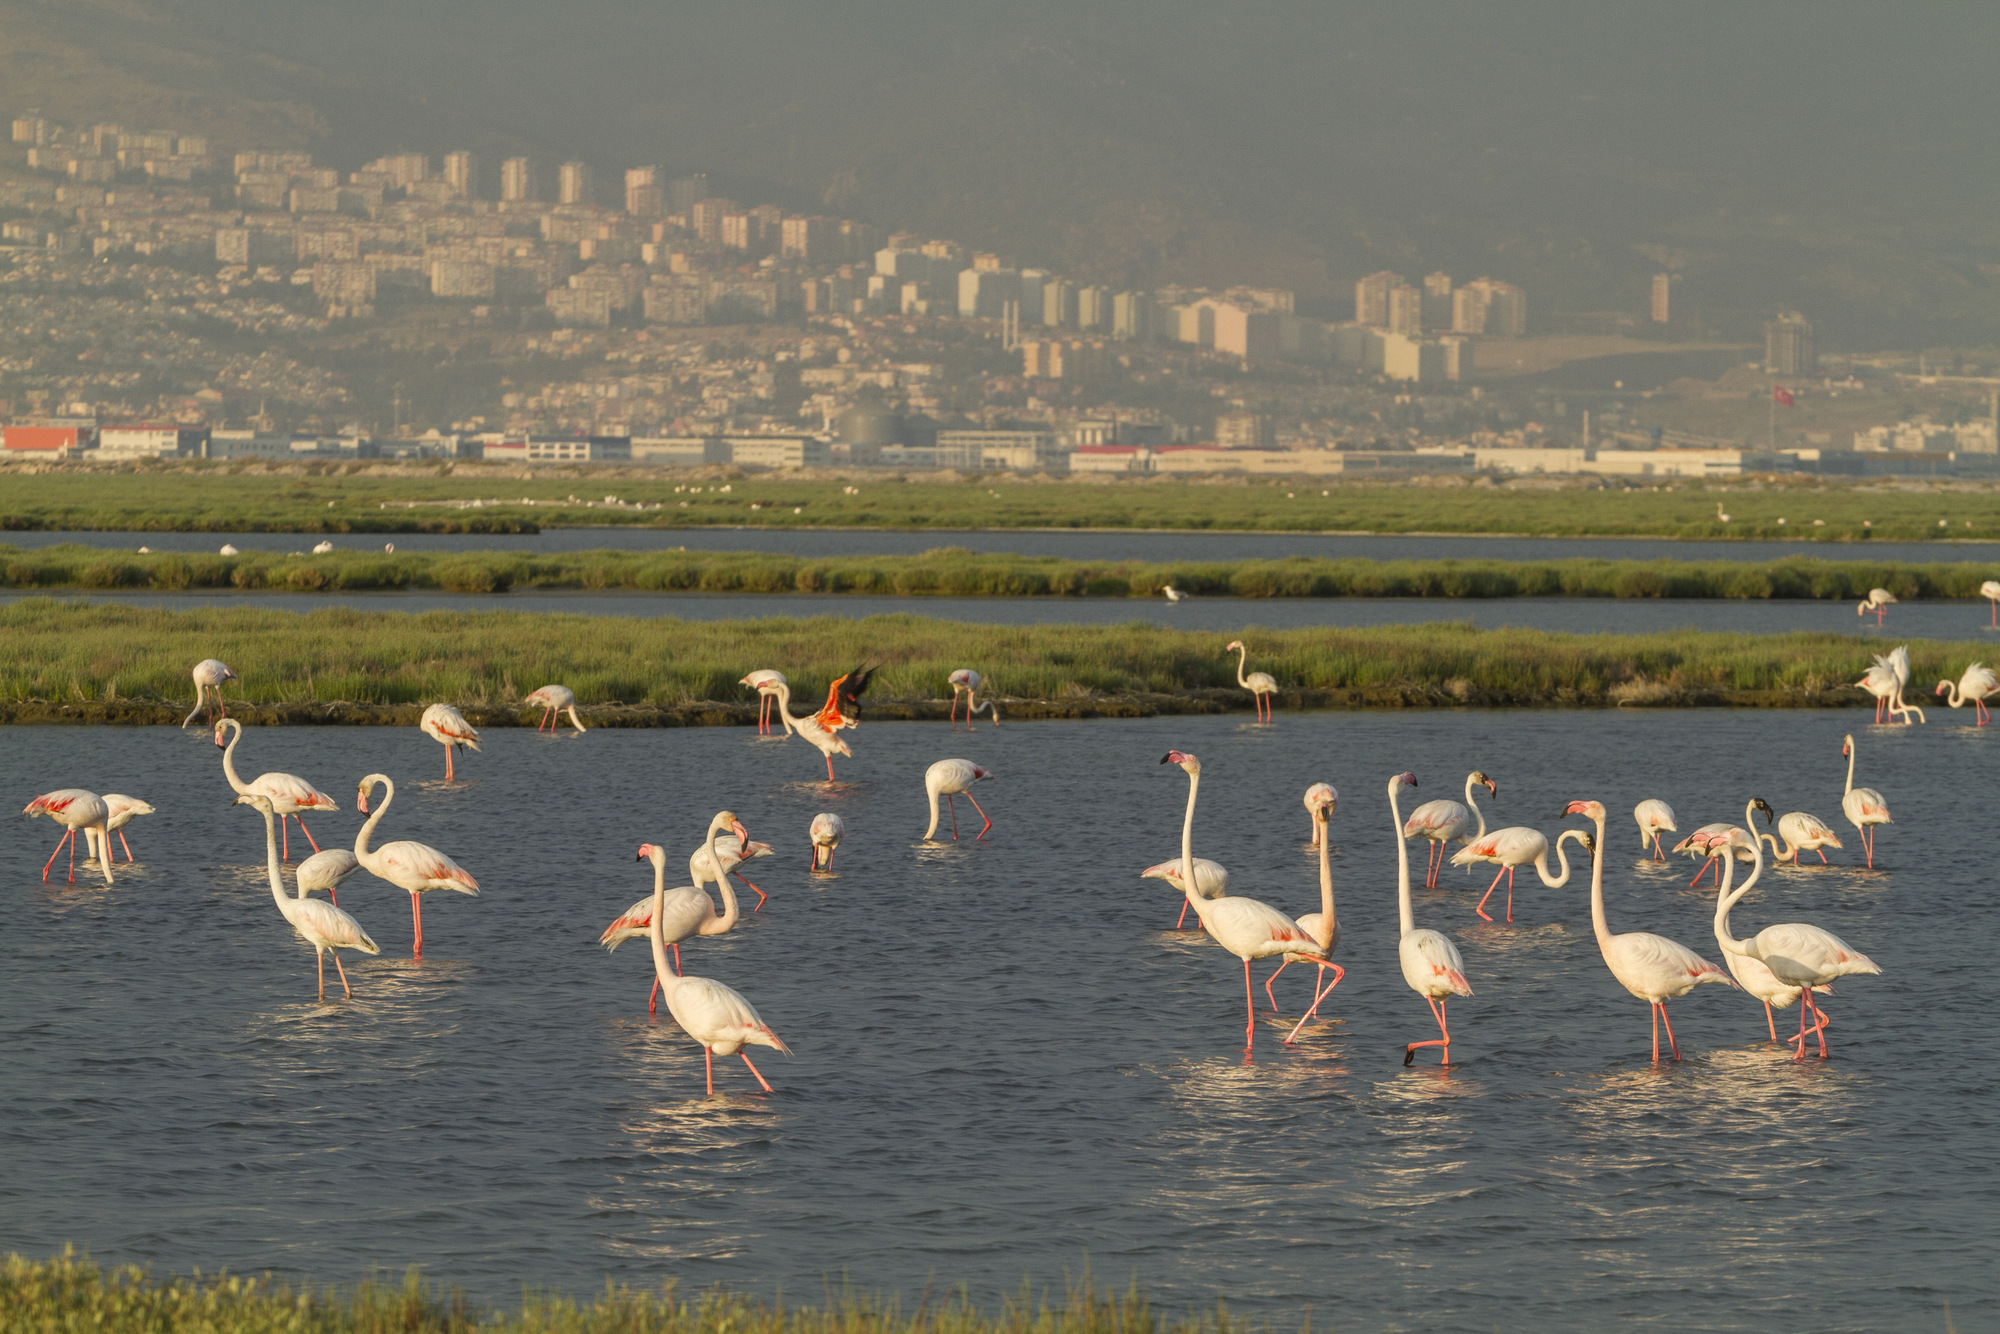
<point>71,1296</point>
<point>337,498</point>
<point>71,651</point>
<point>956,572</point>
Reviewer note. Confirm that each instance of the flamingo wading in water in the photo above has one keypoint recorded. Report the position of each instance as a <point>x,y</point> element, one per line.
<point>1655,817</point>
<point>967,681</point>
<point>1753,975</point>
<point>323,871</point>
<point>124,810</point>
<point>553,700</point>
<point>1431,963</point>
<point>324,926</point>
<point>730,851</point>
<point>1990,590</point>
<point>826,831</point>
<point>1246,928</point>
<point>1798,831</point>
<point>1975,687</point>
<point>289,793</point>
<point>417,868</point>
<point>1442,820</point>
<point>1863,806</point>
<point>75,809</point>
<point>822,738</point>
<point>1877,601</point>
<point>1323,926</point>
<point>209,674</point>
<point>766,682</point>
<point>1651,967</point>
<point>446,725</point>
<point>689,911</point>
<point>1211,881</point>
<point>1510,849</point>
<point>954,778</point>
<point>1261,685</point>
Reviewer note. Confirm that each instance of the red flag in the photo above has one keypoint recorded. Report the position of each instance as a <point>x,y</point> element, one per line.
<point>1782,395</point>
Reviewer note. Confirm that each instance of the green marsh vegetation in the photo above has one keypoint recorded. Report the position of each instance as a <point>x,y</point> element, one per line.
<point>359,498</point>
<point>63,651</point>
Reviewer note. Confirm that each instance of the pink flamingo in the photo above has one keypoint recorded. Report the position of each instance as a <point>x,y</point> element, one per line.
<point>447,726</point>
<point>688,910</point>
<point>75,809</point>
<point>824,739</point>
<point>325,927</point>
<point>209,674</point>
<point>124,810</point>
<point>1510,849</point>
<point>1877,601</point>
<point>1990,590</point>
<point>825,833</point>
<point>732,852</point>
<point>1246,928</point>
<point>322,873</point>
<point>1651,967</point>
<point>1431,963</point>
<point>1703,843</point>
<point>766,682</point>
<point>553,700</point>
<point>289,793</point>
<point>1323,926</point>
<point>716,1016</point>
<point>1863,806</point>
<point>1211,881</point>
<point>968,681</point>
<point>1316,795</point>
<point>1751,974</point>
<point>1655,817</point>
<point>1799,832</point>
<point>1261,685</point>
<point>1977,686</point>
<point>417,868</point>
<point>950,778</point>
<point>1443,820</point>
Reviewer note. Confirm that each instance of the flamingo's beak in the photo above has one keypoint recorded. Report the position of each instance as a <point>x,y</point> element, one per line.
<point>736,827</point>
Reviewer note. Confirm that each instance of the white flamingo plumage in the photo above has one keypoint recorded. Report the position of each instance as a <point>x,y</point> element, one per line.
<point>553,700</point>
<point>322,872</point>
<point>1705,844</point>
<point>1442,820</point>
<point>1651,967</point>
<point>1431,964</point>
<point>75,809</point>
<point>123,811</point>
<point>967,682</point>
<point>1877,601</point>
<point>1880,681</point>
<point>1990,590</point>
<point>447,726</point>
<point>290,794</point>
<point>1799,831</point>
<point>325,927</point>
<point>765,682</point>
<point>954,778</point>
<point>732,851</point>
<point>1798,954</point>
<point>416,868</point>
<point>825,832</point>
<point>1211,881</point>
<point>1753,975</point>
<point>1245,927</point>
<point>1975,687</point>
<point>1898,662</point>
<point>1863,806</point>
<point>209,674</point>
<point>1323,926</point>
<point>827,742</point>
<point>1655,817</point>
<point>689,912</point>
<point>1510,849</point>
<point>1317,795</point>
<point>1261,685</point>
<point>1173,594</point>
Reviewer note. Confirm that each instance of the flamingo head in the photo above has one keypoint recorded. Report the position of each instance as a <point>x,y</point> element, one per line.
<point>1400,781</point>
<point>1232,646</point>
<point>1492,789</point>
<point>262,803</point>
<point>727,820</point>
<point>220,731</point>
<point>1589,810</point>
<point>651,852</point>
<point>1942,687</point>
<point>1183,759</point>
<point>1847,745</point>
<point>1587,841</point>
<point>980,771</point>
<point>1770,816</point>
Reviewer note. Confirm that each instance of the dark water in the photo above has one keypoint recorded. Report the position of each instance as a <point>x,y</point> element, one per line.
<point>1911,620</point>
<point>1006,1063</point>
<point>1097,545</point>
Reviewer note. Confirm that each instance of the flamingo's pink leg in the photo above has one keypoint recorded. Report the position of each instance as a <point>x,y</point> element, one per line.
<point>829,858</point>
<point>72,857</point>
<point>677,963</point>
<point>1283,964</point>
<point>952,717</point>
<point>1770,1022</point>
<point>1670,1031</point>
<point>57,853</point>
<point>1183,918</point>
<point>1656,1032</point>
<point>285,833</point>
<point>761,895</point>
<point>1319,994</point>
<point>708,1059</point>
<point>653,996</point>
<point>320,957</point>
<point>1705,867</point>
<point>1444,1041</point>
<point>1481,909</point>
<point>343,975</point>
<point>982,815</point>
<point>1250,1009</point>
<point>1510,893</point>
<point>829,768</point>
<point>307,832</point>
<point>123,844</point>
<point>447,764</point>
<point>755,1071</point>
<point>417,925</point>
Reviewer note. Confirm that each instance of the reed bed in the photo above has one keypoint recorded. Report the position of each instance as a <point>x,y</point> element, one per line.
<point>956,572</point>
<point>68,1295</point>
<point>58,650</point>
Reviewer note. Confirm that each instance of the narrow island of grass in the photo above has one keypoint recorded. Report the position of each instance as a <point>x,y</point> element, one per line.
<point>956,572</point>
<point>108,663</point>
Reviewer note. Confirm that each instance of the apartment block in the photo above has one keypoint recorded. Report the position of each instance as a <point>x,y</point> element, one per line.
<point>1371,298</point>
<point>461,173</point>
<point>645,191</point>
<point>517,180</point>
<point>575,184</point>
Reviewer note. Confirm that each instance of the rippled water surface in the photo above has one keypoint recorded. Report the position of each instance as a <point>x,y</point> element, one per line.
<point>1006,1062</point>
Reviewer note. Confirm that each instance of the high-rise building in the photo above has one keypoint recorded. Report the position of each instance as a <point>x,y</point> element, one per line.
<point>684,192</point>
<point>576,184</point>
<point>1484,306</point>
<point>461,173</point>
<point>1246,430</point>
<point>1788,345</point>
<point>1371,297</point>
<point>517,180</point>
<point>1437,300</point>
<point>706,216</point>
<point>1663,286</point>
<point>1059,303</point>
<point>644,194</point>
<point>1406,310</point>
<point>1093,308</point>
<point>1132,315</point>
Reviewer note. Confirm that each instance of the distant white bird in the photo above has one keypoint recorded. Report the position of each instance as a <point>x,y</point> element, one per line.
<point>1719,514</point>
<point>766,682</point>
<point>1863,806</point>
<point>1974,688</point>
<point>553,700</point>
<point>1799,831</point>
<point>447,726</point>
<point>1175,595</point>
<point>1654,816</point>
<point>1990,590</point>
<point>969,681</point>
<point>951,778</point>
<point>229,549</point>
<point>1261,685</point>
<point>321,548</point>
<point>209,674</point>
<point>1878,601</point>
<point>389,548</point>
<point>826,832</point>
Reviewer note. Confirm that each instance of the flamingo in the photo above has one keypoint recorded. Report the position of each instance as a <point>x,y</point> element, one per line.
<point>1977,686</point>
<point>1654,816</point>
<point>950,778</point>
<point>1259,684</point>
<point>1880,681</point>
<point>289,793</point>
<point>209,674</point>
<point>717,1017</point>
<point>1797,955</point>
<point>1990,590</point>
<point>417,868</point>
<point>765,682</point>
<point>1246,928</point>
<point>1442,820</point>
<point>1878,601</point>
<point>1431,963</point>
<point>75,809</point>
<point>553,700</point>
<point>1211,881</point>
<point>1798,831</point>
<point>1510,849</point>
<point>1703,843</point>
<point>1317,794</point>
<point>1863,806</point>
<point>731,851</point>
<point>1651,967</point>
<point>1898,662</point>
<point>323,871</point>
<point>1323,926</point>
<point>810,727</point>
<point>826,832</point>
<point>1175,595</point>
<point>1719,514</point>
<point>969,681</point>
<point>444,724</point>
<point>842,694</point>
<point>321,548</point>
<point>1753,975</point>
<point>689,911</point>
<point>123,811</point>
<point>325,927</point>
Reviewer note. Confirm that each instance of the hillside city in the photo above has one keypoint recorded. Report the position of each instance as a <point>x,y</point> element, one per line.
<point>167,297</point>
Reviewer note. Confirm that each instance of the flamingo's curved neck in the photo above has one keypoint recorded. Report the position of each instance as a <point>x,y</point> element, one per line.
<point>1242,660</point>
<point>1850,766</point>
<point>1952,699</point>
<point>1187,849</point>
<point>1474,807</point>
<point>1542,862</point>
<point>1407,917</point>
<point>271,857</point>
<point>1727,898</point>
<point>1330,923</point>
<point>1597,922</point>
<point>575,721</point>
<point>361,852</point>
<point>729,908</point>
<point>229,757</point>
<point>656,933</point>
